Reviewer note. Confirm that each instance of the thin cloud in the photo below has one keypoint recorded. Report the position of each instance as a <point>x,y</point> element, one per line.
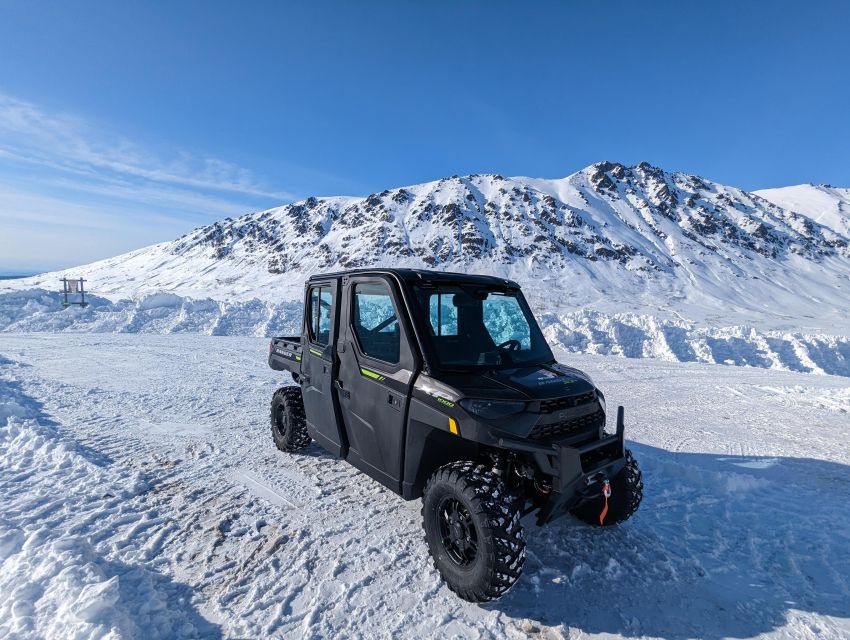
<point>106,193</point>
<point>67,143</point>
<point>23,206</point>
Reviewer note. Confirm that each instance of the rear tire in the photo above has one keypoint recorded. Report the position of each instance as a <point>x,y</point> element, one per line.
<point>472,527</point>
<point>626,495</point>
<point>289,426</point>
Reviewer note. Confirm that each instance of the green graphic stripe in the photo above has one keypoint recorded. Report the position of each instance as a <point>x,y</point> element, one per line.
<point>298,358</point>
<point>315,352</point>
<point>448,403</point>
<point>372,374</point>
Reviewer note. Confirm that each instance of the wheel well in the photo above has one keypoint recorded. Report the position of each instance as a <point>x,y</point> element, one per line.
<point>428,449</point>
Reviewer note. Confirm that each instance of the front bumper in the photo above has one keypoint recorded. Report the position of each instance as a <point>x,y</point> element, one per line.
<point>577,472</point>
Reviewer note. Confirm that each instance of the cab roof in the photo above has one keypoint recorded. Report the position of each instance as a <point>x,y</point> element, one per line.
<point>422,276</point>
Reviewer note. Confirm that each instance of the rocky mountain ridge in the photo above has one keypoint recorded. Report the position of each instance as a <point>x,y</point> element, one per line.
<point>461,220</point>
<point>611,237</point>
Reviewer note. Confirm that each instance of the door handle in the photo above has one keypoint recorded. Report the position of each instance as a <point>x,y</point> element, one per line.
<point>345,393</point>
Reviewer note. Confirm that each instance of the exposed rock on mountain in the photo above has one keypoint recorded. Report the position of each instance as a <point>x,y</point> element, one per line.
<point>613,237</point>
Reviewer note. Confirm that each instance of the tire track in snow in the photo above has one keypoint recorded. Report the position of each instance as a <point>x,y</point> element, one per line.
<point>712,539</point>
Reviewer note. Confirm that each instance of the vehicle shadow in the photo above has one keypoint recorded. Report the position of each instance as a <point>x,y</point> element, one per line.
<point>722,546</point>
<point>315,450</point>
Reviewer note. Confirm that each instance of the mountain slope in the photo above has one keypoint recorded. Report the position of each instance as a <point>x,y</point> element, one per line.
<point>825,204</point>
<point>610,237</point>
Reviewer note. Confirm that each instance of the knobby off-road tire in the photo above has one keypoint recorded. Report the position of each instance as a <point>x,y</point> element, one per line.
<point>465,497</point>
<point>289,426</point>
<point>626,494</point>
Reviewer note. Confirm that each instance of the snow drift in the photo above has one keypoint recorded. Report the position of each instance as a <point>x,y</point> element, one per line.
<point>626,334</point>
<point>632,261</point>
<point>54,582</point>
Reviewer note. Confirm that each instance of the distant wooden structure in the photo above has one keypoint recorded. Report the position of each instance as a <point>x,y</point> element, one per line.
<point>73,286</point>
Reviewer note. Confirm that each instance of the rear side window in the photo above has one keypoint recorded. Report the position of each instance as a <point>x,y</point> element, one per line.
<point>319,313</point>
<point>376,323</point>
<point>443,314</point>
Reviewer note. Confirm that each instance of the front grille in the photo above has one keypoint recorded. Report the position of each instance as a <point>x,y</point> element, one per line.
<point>569,427</point>
<point>567,402</point>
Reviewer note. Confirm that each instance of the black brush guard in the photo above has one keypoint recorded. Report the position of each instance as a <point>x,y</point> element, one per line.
<point>577,472</point>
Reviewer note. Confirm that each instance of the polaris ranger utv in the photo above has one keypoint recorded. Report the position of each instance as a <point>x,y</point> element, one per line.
<point>442,386</point>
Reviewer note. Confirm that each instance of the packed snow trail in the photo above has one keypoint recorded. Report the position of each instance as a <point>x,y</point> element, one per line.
<point>143,497</point>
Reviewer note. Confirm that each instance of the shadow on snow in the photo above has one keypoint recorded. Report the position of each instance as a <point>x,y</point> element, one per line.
<point>149,602</point>
<point>722,546</point>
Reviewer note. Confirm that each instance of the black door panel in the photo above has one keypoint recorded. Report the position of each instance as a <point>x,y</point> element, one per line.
<point>374,391</point>
<point>318,367</point>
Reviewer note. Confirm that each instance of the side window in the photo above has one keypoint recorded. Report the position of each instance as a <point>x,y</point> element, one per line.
<point>319,313</point>
<point>443,314</point>
<point>323,335</point>
<point>375,322</point>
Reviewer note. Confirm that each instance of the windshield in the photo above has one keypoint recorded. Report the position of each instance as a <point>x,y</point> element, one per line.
<point>475,326</point>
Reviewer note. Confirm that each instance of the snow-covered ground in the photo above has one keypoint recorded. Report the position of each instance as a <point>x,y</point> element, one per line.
<point>142,497</point>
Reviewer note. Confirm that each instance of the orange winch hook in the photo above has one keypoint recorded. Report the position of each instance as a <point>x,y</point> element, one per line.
<point>606,492</point>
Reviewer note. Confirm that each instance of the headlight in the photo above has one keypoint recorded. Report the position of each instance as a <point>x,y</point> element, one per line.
<point>492,409</point>
<point>601,397</point>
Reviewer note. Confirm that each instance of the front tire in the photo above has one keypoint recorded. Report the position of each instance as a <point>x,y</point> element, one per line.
<point>472,527</point>
<point>626,495</point>
<point>289,426</point>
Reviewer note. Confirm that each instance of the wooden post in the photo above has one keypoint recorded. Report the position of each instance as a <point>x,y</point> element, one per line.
<point>73,286</point>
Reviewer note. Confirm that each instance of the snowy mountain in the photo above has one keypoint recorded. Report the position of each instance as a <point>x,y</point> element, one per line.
<point>825,204</point>
<point>610,238</point>
<point>186,522</point>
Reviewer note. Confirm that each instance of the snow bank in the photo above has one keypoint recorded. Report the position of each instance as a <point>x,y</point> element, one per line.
<point>54,583</point>
<point>641,336</point>
<point>586,331</point>
<point>60,587</point>
<point>41,310</point>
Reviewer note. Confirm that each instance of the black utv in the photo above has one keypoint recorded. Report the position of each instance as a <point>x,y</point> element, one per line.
<point>442,386</point>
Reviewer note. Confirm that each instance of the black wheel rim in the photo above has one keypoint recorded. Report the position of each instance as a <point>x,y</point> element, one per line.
<point>282,422</point>
<point>457,531</point>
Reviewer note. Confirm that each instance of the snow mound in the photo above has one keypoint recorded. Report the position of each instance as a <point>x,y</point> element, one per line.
<point>40,310</point>
<point>60,587</point>
<point>54,583</point>
<point>640,336</point>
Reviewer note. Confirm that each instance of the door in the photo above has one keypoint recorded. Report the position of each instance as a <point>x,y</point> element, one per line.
<point>376,371</point>
<point>318,366</point>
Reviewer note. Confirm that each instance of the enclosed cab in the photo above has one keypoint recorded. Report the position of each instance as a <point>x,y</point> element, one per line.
<point>441,386</point>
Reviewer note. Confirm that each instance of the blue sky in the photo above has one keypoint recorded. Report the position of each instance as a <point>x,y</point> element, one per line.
<point>128,123</point>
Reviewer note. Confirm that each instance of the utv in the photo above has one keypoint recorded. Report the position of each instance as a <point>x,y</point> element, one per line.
<point>442,386</point>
